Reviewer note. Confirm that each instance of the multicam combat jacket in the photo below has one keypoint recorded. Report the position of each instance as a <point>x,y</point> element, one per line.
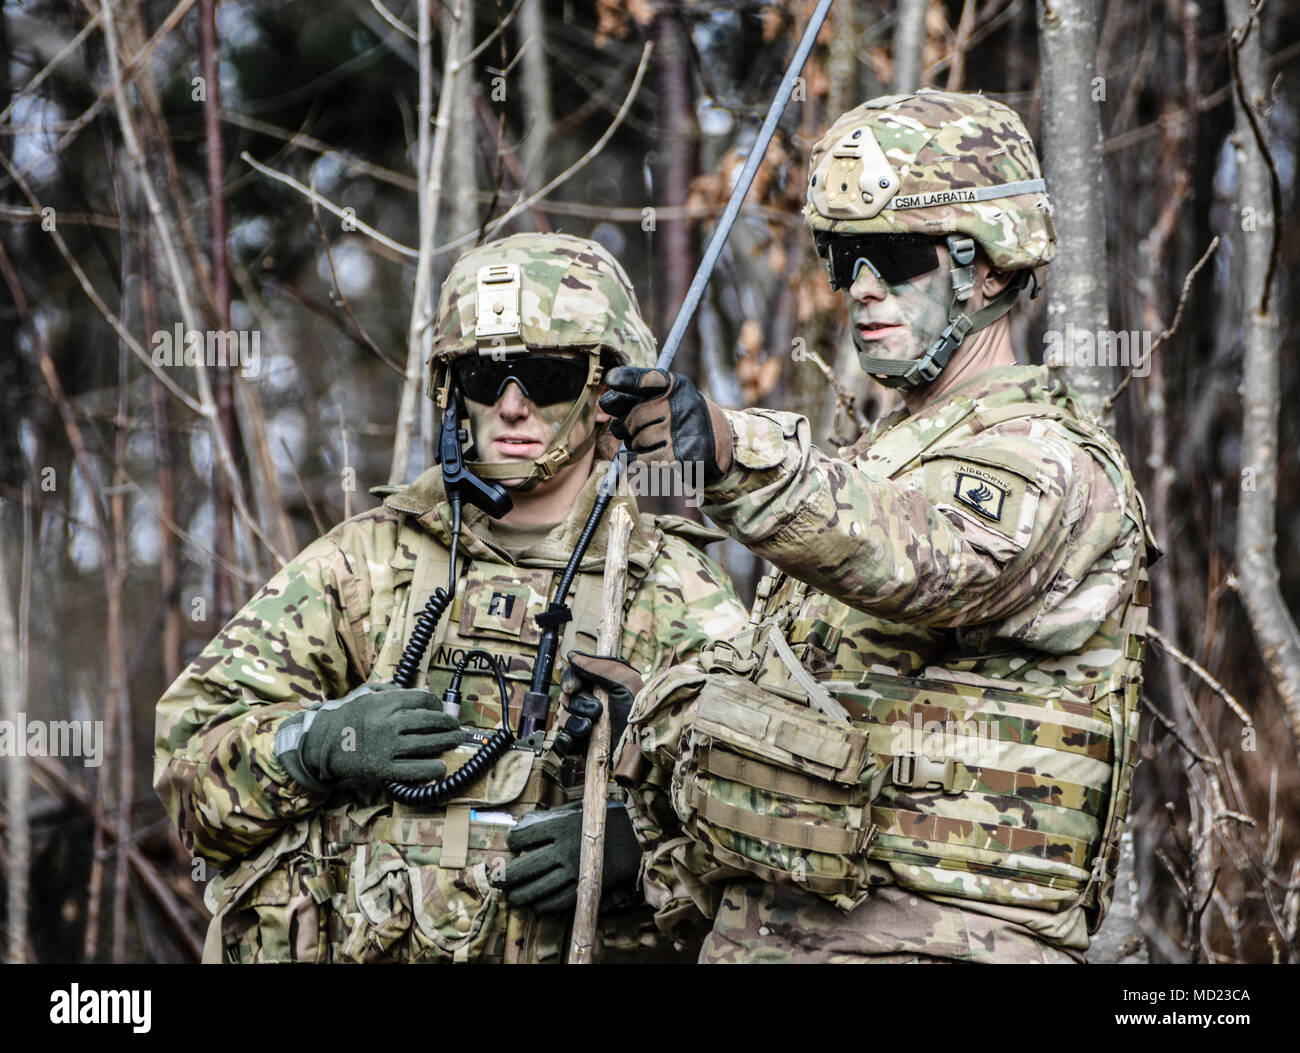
<point>347,875</point>
<point>967,578</point>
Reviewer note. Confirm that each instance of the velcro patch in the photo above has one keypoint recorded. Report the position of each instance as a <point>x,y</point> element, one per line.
<point>502,603</point>
<point>994,505</point>
<point>981,490</point>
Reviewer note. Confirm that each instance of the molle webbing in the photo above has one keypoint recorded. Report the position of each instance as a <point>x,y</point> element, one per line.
<point>1010,792</point>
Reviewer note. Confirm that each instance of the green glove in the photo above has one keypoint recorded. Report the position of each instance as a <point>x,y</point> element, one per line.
<point>375,734</point>
<point>542,871</point>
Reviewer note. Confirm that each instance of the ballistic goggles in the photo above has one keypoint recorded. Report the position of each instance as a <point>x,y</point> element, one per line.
<point>545,379</point>
<point>893,258</point>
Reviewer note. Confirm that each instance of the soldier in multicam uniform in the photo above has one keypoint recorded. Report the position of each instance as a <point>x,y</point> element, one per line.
<point>274,746</point>
<point>922,748</point>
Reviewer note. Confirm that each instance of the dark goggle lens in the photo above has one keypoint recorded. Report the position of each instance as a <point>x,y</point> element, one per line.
<point>544,379</point>
<point>897,258</point>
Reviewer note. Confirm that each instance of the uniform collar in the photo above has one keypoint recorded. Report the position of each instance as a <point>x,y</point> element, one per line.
<point>426,501</point>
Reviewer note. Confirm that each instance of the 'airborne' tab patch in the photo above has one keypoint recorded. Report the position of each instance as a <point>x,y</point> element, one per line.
<point>981,492</point>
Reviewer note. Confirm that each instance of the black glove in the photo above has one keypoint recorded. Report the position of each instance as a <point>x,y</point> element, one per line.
<point>545,875</point>
<point>584,673</point>
<point>377,733</point>
<point>663,417</point>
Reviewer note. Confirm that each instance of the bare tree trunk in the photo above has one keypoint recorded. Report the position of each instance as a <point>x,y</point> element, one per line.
<point>909,40</point>
<point>1257,572</point>
<point>538,110</point>
<point>966,25</point>
<point>13,702</point>
<point>431,154</point>
<point>169,580</point>
<point>223,510</point>
<point>678,162</point>
<point>1071,144</point>
<point>116,645</point>
<point>462,175</point>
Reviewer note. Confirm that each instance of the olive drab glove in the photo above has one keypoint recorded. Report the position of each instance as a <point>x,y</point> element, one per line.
<point>663,417</point>
<point>584,673</point>
<point>545,849</point>
<point>377,733</point>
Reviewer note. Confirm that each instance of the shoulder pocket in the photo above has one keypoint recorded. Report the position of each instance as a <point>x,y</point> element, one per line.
<point>991,496</point>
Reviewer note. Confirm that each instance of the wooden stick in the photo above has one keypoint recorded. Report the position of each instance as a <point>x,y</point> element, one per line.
<point>595,789</point>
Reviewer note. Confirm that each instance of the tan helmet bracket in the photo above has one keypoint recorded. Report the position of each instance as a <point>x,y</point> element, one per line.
<point>854,180</point>
<point>498,326</point>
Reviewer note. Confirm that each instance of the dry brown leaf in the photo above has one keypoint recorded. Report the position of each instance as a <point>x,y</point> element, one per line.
<point>611,19</point>
<point>776,257</point>
<point>773,20</point>
<point>641,10</point>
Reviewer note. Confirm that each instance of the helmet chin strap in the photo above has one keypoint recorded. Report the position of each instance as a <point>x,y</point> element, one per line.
<point>914,374</point>
<point>557,453</point>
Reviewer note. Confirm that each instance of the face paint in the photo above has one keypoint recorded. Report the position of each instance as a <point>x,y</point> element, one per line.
<point>899,322</point>
<point>515,429</point>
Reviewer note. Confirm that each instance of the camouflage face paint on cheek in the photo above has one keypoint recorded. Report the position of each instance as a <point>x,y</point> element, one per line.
<point>923,307</point>
<point>919,306</point>
<point>553,416</point>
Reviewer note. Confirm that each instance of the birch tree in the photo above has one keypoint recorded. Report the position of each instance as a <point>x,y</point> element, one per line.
<point>1260,196</point>
<point>1071,147</point>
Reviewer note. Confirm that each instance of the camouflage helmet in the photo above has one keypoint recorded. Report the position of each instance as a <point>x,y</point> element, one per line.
<point>934,162</point>
<point>532,293</point>
<point>536,291</point>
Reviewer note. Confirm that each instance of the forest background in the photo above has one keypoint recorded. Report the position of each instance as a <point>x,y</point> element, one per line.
<point>304,175</point>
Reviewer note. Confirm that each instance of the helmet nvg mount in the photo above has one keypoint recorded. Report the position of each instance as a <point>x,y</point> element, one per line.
<point>956,166</point>
<point>538,292</point>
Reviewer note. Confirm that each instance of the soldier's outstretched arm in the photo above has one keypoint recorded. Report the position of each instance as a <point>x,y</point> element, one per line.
<point>1010,524</point>
<point>215,767</point>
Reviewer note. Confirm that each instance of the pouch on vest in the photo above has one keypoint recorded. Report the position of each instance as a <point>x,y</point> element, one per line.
<point>273,906</point>
<point>1005,792</point>
<point>772,787</point>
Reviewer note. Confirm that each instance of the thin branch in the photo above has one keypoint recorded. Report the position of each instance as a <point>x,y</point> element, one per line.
<point>347,464</point>
<point>634,214</point>
<point>429,153</point>
<point>57,779</point>
<point>30,86</point>
<point>1178,316</point>
<point>337,289</point>
<point>207,407</point>
<point>1172,728</point>
<point>307,142</point>
<point>1200,671</point>
<point>127,73</point>
<point>1236,38</point>
<point>478,50</point>
<point>313,195</point>
<point>574,168</point>
<point>311,505</point>
<point>957,66</point>
<point>14,214</point>
<point>393,20</point>
<point>181,533</point>
<point>988,24</point>
<point>94,297</point>
<point>317,307</point>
